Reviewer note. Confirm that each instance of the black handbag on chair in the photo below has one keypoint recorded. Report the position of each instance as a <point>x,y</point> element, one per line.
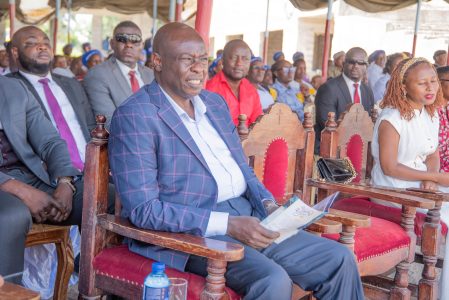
<point>338,170</point>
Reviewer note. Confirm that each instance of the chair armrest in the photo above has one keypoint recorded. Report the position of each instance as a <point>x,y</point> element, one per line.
<point>349,218</point>
<point>325,225</point>
<point>389,195</point>
<point>196,245</point>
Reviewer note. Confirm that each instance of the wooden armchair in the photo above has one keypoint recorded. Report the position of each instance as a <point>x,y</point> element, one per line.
<point>280,150</point>
<point>110,268</point>
<point>41,234</point>
<point>351,137</point>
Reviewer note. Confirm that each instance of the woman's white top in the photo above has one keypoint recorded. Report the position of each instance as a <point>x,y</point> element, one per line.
<point>418,138</point>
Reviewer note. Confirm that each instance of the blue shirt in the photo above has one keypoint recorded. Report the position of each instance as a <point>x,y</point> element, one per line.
<point>288,96</point>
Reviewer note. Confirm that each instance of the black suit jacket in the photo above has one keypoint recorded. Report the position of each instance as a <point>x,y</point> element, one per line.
<point>76,95</point>
<point>334,96</point>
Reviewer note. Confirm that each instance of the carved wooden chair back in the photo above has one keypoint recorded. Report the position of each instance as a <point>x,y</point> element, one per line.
<point>276,145</point>
<point>350,137</point>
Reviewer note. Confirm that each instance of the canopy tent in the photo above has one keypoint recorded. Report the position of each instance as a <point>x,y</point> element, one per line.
<point>41,15</point>
<point>371,6</point>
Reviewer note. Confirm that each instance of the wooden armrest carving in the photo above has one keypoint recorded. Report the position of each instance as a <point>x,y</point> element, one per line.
<point>325,225</point>
<point>374,192</point>
<point>209,248</point>
<point>349,218</point>
<point>419,192</point>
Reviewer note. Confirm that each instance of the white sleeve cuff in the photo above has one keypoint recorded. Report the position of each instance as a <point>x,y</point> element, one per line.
<point>218,224</point>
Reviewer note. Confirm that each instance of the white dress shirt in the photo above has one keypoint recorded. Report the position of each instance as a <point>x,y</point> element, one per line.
<point>227,174</point>
<point>125,71</point>
<point>66,108</point>
<point>351,87</point>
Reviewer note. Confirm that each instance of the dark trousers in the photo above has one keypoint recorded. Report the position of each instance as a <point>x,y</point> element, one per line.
<point>314,263</point>
<point>15,221</point>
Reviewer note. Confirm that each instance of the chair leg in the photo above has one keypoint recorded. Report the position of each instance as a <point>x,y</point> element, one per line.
<point>428,285</point>
<point>65,266</point>
<point>215,281</point>
<point>400,290</point>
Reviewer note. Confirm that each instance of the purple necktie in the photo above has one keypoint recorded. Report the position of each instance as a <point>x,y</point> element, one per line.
<point>62,125</point>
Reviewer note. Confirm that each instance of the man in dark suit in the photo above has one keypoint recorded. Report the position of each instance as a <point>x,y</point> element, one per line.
<point>110,83</point>
<point>178,166</point>
<point>62,99</point>
<point>337,93</point>
<point>37,179</point>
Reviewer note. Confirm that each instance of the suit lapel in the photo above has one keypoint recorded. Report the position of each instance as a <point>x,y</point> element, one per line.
<point>33,91</point>
<point>120,80</point>
<point>343,87</point>
<point>169,116</point>
<point>145,76</point>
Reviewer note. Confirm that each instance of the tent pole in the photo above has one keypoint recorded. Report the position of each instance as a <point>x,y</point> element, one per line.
<point>415,36</point>
<point>171,11</point>
<point>265,37</point>
<point>327,39</point>
<point>55,25</point>
<point>69,13</point>
<point>12,17</point>
<point>203,18</point>
<point>154,18</point>
<point>178,17</point>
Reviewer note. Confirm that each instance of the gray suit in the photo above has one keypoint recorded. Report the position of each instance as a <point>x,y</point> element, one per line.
<point>34,140</point>
<point>107,88</point>
<point>76,95</point>
<point>334,96</point>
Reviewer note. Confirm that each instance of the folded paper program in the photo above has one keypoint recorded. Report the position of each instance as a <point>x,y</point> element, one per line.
<point>295,215</point>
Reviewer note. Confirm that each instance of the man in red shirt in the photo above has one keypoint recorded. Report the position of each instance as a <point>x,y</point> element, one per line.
<point>231,84</point>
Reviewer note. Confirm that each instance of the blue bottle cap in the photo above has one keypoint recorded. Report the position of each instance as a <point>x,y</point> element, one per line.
<point>158,267</point>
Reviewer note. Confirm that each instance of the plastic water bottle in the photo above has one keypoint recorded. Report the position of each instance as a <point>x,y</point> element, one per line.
<point>156,284</point>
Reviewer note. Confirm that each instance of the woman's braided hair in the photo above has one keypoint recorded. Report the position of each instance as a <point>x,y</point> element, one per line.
<point>396,95</point>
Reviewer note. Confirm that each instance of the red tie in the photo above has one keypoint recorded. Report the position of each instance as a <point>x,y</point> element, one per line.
<point>356,93</point>
<point>134,83</point>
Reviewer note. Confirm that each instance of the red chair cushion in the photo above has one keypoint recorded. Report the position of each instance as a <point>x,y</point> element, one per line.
<point>354,151</point>
<point>276,168</point>
<point>121,263</point>
<point>364,206</point>
<point>380,238</point>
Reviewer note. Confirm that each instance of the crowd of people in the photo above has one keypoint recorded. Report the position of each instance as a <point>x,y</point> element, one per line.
<point>176,159</point>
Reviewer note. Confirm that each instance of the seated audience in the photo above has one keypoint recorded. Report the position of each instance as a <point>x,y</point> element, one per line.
<point>335,94</point>
<point>86,47</point>
<point>286,91</point>
<point>267,83</point>
<point>300,74</point>
<point>91,58</point>
<point>215,67</point>
<point>381,85</point>
<point>376,65</point>
<point>111,82</point>
<point>405,138</point>
<point>255,75</point>
<point>37,178</point>
<point>60,66</point>
<point>67,50</point>
<point>231,84</point>
<point>336,68</point>
<point>62,99</point>
<point>316,81</point>
<point>209,190</point>
<point>76,67</point>
<point>440,58</point>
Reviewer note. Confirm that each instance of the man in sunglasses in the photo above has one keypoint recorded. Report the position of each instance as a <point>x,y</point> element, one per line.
<point>255,75</point>
<point>110,83</point>
<point>337,93</point>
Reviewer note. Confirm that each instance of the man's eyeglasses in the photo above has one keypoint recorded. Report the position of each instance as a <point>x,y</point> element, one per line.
<point>354,61</point>
<point>287,70</point>
<point>128,38</point>
<point>261,68</point>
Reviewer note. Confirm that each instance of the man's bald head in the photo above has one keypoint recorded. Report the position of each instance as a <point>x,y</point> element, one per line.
<point>171,34</point>
<point>236,60</point>
<point>356,62</point>
<point>180,61</point>
<point>32,50</point>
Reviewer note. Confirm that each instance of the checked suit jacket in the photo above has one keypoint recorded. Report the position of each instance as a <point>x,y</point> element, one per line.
<point>159,173</point>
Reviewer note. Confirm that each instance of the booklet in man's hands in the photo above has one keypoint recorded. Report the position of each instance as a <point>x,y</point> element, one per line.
<point>295,215</point>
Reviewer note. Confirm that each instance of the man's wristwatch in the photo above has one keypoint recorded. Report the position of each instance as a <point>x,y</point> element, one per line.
<point>69,181</point>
